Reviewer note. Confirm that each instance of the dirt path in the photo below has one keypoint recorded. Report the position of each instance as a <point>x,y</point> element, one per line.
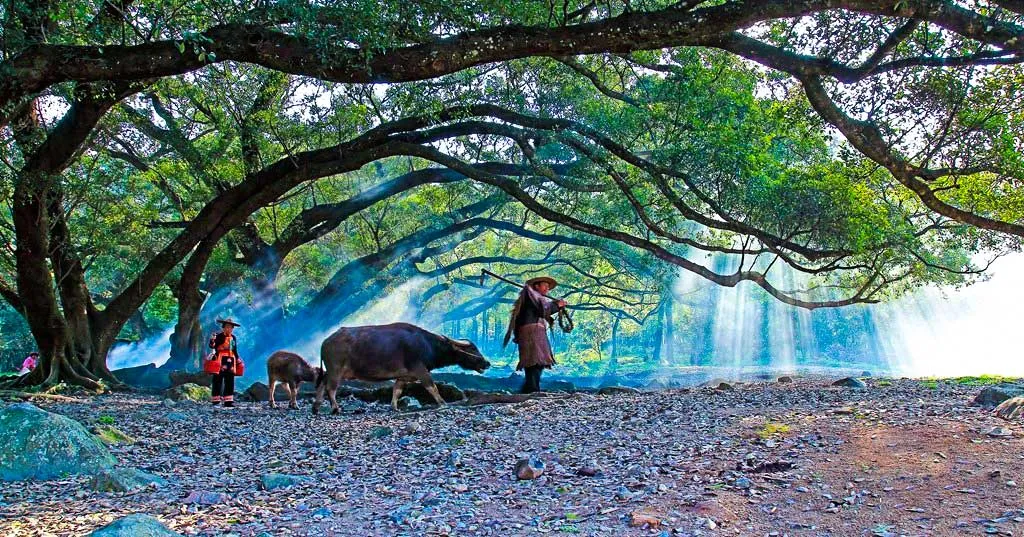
<point>899,459</point>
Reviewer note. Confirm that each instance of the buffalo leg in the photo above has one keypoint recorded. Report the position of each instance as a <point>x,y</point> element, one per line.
<point>293,394</point>
<point>396,393</point>
<point>332,394</point>
<point>288,392</point>
<point>273,384</point>
<point>432,388</point>
<point>319,396</point>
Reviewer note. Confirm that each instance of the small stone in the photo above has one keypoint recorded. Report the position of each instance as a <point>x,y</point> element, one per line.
<point>1011,483</point>
<point>844,411</point>
<point>617,390</point>
<point>590,469</point>
<point>176,416</point>
<point>168,403</point>
<point>202,497</point>
<point>409,403</point>
<point>850,382</point>
<point>743,483</point>
<point>999,432</point>
<point>273,481</point>
<point>639,519</point>
<point>527,469</point>
<point>124,480</point>
<point>380,432</point>
<point>111,435</point>
<point>785,380</point>
<point>454,460</point>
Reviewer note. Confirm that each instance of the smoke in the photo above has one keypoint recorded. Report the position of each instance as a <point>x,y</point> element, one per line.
<point>264,329</point>
<point>930,332</point>
<point>971,331</point>
<point>401,305</point>
<point>155,350</point>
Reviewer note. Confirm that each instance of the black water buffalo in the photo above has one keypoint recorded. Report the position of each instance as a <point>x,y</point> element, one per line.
<point>400,352</point>
<point>291,370</point>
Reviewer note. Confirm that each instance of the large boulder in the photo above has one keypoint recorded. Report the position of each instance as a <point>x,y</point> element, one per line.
<point>135,526</point>
<point>36,444</point>
<point>189,392</point>
<point>448,392</point>
<point>144,376</point>
<point>258,392</point>
<point>991,396</point>
<point>179,377</point>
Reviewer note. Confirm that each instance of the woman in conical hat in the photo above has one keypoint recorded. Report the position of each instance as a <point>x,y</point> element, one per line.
<point>531,316</point>
<point>224,362</point>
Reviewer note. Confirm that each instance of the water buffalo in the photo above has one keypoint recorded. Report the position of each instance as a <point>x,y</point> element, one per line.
<point>291,370</point>
<point>400,352</point>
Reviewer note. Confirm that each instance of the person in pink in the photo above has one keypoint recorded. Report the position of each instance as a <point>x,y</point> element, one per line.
<point>29,364</point>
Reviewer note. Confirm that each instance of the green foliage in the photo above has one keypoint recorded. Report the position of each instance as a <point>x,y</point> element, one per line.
<point>737,147</point>
<point>771,429</point>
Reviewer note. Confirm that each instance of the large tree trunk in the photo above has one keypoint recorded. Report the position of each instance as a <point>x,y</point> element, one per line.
<point>36,289</point>
<point>186,340</point>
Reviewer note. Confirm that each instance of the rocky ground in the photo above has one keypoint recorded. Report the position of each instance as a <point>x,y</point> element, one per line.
<point>898,458</point>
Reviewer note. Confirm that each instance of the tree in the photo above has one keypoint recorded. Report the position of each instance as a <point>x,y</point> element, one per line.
<point>650,125</point>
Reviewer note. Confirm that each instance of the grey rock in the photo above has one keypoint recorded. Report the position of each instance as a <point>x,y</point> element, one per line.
<point>991,396</point>
<point>277,481</point>
<point>850,382</point>
<point>380,432</point>
<point>202,497</point>
<point>124,480</point>
<point>785,380</point>
<point>258,392</point>
<point>527,469</point>
<point>188,392</point>
<point>42,445</point>
<point>617,390</point>
<point>409,403</point>
<point>135,526</point>
<point>590,469</point>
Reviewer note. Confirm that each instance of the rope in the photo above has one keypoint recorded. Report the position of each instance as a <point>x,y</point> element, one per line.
<point>565,321</point>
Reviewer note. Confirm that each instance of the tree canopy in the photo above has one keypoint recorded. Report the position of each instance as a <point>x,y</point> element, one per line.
<point>163,155</point>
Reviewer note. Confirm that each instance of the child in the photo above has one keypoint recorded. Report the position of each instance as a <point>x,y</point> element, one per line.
<point>29,364</point>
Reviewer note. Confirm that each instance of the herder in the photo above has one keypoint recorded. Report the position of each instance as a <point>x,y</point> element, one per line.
<point>531,316</point>
<point>224,363</point>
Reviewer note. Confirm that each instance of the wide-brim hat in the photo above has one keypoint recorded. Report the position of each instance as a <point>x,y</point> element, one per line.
<point>229,320</point>
<point>546,279</point>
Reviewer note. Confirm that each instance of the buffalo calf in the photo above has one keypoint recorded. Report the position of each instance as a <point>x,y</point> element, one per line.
<point>291,370</point>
